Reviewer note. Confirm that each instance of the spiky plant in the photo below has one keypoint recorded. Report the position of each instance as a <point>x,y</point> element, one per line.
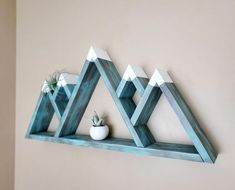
<point>96,120</point>
<point>53,80</point>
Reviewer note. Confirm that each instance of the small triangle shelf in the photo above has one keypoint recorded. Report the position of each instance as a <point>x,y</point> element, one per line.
<point>73,93</point>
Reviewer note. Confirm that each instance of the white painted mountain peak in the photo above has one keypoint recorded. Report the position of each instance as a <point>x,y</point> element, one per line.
<point>64,79</point>
<point>159,77</point>
<point>95,53</point>
<point>133,71</point>
<point>67,78</point>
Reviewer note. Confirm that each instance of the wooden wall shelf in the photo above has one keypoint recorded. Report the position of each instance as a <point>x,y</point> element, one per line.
<point>70,99</point>
<point>177,151</point>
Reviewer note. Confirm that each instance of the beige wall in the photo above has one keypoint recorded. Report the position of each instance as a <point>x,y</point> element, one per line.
<point>193,40</point>
<point>7,96</point>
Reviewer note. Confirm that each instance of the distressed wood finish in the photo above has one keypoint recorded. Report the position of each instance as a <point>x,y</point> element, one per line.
<point>146,105</point>
<point>190,124</point>
<point>69,89</point>
<point>70,101</point>
<point>54,105</point>
<point>176,151</point>
<point>141,135</point>
<point>61,100</point>
<point>140,84</point>
<point>126,89</point>
<point>79,100</point>
<point>42,115</point>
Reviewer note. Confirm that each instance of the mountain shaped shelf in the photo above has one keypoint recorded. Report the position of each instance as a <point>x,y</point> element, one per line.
<point>73,93</point>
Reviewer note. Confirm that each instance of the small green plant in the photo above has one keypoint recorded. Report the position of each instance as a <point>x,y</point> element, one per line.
<point>52,81</point>
<point>96,120</point>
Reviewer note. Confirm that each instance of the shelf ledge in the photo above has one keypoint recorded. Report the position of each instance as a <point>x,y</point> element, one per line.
<point>176,151</point>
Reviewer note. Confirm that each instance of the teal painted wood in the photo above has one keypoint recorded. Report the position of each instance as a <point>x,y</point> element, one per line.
<point>126,89</point>
<point>42,115</point>
<point>79,100</point>
<point>190,124</point>
<point>61,100</point>
<point>141,135</point>
<point>81,96</point>
<point>140,84</point>
<point>176,151</point>
<point>55,93</point>
<point>69,103</point>
<point>54,105</point>
<point>146,105</point>
<point>128,105</point>
<point>69,89</point>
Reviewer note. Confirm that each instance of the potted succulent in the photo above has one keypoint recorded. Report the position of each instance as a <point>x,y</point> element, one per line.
<point>51,83</point>
<point>99,130</point>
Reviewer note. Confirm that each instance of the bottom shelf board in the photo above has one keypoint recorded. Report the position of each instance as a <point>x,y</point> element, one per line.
<point>169,150</point>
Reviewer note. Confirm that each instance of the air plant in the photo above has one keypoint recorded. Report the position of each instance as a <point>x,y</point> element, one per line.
<point>96,120</point>
<point>52,81</point>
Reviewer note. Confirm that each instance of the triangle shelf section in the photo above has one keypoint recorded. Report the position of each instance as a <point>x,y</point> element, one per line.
<point>73,93</point>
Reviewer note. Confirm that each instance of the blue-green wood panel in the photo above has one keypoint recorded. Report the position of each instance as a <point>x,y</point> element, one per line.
<point>42,115</point>
<point>188,121</point>
<point>176,151</point>
<point>79,100</point>
<point>69,104</point>
<point>126,89</point>
<point>146,105</point>
<point>61,100</point>
<point>55,93</point>
<point>128,105</point>
<point>111,78</point>
<point>54,105</point>
<point>140,84</point>
<point>69,89</point>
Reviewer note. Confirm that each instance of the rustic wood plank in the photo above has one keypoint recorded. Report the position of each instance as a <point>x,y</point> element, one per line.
<point>55,93</point>
<point>189,122</point>
<point>53,103</point>
<point>61,100</point>
<point>42,115</point>
<point>141,135</point>
<point>128,105</point>
<point>146,105</point>
<point>176,151</point>
<point>140,84</point>
<point>126,89</point>
<point>69,89</point>
<point>79,100</point>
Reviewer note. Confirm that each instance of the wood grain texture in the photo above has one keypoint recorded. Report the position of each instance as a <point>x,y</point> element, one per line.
<point>79,100</point>
<point>42,115</point>
<point>176,151</point>
<point>54,105</point>
<point>189,122</point>
<point>140,84</point>
<point>70,102</point>
<point>141,135</point>
<point>61,100</point>
<point>126,89</point>
<point>69,89</point>
<point>146,105</point>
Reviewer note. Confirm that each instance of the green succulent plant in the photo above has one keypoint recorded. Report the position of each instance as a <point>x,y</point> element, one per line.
<point>96,120</point>
<point>53,80</point>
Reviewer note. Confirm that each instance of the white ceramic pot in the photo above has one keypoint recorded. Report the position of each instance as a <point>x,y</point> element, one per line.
<point>99,132</point>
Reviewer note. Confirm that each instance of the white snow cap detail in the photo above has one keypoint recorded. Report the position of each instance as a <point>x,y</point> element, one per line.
<point>45,87</point>
<point>132,72</point>
<point>67,78</point>
<point>64,79</point>
<point>159,77</point>
<point>95,53</point>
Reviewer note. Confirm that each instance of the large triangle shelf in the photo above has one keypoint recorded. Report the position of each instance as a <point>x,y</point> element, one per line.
<point>70,99</point>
